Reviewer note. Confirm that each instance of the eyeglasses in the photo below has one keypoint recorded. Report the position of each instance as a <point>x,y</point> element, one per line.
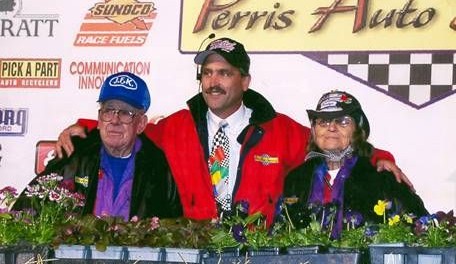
<point>343,121</point>
<point>125,116</point>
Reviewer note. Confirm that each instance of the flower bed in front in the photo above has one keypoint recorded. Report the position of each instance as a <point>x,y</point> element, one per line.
<point>55,222</point>
<point>49,205</point>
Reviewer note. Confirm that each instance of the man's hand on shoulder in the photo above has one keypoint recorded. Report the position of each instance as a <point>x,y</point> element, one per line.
<point>393,168</point>
<point>64,141</point>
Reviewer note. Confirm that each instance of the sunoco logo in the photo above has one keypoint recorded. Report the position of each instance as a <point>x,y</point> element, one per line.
<point>116,23</point>
<point>16,24</point>
<point>13,122</point>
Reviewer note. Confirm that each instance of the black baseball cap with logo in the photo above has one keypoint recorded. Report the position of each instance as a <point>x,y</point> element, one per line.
<point>335,104</point>
<point>231,50</point>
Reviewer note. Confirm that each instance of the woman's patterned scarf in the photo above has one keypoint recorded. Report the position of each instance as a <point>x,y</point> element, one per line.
<point>317,196</point>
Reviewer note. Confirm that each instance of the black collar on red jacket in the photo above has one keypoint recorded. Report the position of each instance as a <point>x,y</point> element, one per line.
<point>262,111</point>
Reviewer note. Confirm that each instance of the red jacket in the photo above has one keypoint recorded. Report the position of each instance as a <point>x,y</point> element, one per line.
<point>272,145</point>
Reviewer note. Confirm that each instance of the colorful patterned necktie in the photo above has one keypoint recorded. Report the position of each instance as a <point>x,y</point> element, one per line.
<point>219,161</point>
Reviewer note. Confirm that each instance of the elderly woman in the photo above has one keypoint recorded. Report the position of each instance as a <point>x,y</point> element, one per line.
<point>338,170</point>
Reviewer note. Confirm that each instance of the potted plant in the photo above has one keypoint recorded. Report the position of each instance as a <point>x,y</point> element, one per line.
<point>29,230</point>
<point>309,232</point>
<point>430,236</point>
<point>242,232</point>
<point>151,239</point>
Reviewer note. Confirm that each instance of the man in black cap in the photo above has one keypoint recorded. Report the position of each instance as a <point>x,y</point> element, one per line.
<point>259,146</point>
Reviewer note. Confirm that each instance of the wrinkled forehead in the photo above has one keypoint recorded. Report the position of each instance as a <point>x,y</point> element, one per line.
<point>118,104</point>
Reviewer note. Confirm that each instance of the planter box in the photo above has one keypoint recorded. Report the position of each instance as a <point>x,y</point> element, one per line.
<point>90,252</point>
<point>23,254</point>
<point>310,258</point>
<point>387,258</point>
<point>303,250</point>
<point>411,255</point>
<point>226,252</point>
<point>145,254</point>
<point>266,251</point>
<point>76,254</point>
<point>184,255</point>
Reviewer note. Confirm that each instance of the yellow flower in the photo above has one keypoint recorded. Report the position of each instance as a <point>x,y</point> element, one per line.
<point>394,220</point>
<point>408,218</point>
<point>380,207</point>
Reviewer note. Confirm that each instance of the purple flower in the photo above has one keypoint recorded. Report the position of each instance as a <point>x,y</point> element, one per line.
<point>278,207</point>
<point>353,219</point>
<point>425,220</point>
<point>316,209</point>
<point>241,209</point>
<point>54,196</point>
<point>329,214</point>
<point>370,231</point>
<point>446,217</point>
<point>7,196</point>
<point>8,190</point>
<point>419,228</point>
<point>244,206</point>
<point>239,234</point>
<point>423,223</point>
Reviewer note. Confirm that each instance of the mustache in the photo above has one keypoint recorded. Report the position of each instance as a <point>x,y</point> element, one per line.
<point>215,89</point>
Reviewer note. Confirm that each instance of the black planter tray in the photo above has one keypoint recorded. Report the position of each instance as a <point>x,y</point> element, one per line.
<point>412,255</point>
<point>339,258</point>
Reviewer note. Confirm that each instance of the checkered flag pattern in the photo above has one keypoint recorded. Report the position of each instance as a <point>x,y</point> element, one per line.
<point>219,167</point>
<point>221,141</point>
<point>417,79</point>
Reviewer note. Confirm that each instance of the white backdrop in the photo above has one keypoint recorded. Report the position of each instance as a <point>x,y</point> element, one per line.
<point>422,141</point>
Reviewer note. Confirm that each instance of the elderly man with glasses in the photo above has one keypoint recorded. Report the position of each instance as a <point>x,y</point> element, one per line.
<point>114,167</point>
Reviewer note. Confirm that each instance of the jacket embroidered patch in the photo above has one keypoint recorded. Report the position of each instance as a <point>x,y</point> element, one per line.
<point>265,159</point>
<point>84,181</point>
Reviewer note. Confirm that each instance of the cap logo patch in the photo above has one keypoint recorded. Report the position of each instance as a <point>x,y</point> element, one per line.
<point>331,103</point>
<point>224,45</point>
<point>344,98</point>
<point>124,81</point>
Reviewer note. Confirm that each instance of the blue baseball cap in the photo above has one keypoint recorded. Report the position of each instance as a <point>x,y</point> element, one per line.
<point>126,87</point>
